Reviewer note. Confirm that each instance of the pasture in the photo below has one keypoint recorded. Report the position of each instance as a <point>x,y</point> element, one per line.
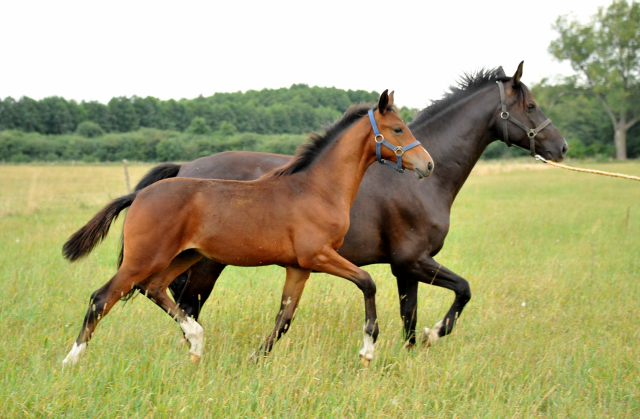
<point>552,330</point>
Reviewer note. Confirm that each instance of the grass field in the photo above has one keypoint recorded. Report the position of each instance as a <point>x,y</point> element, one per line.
<point>552,330</point>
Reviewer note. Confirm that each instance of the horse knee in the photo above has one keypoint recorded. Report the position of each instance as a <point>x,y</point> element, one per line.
<point>366,284</point>
<point>464,291</point>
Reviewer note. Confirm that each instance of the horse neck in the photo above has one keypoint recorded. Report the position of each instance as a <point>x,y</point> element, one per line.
<point>338,171</point>
<point>457,137</point>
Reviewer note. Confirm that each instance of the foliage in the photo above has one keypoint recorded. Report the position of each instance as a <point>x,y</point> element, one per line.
<point>145,144</point>
<point>198,125</point>
<point>605,53</point>
<point>296,110</point>
<point>89,129</point>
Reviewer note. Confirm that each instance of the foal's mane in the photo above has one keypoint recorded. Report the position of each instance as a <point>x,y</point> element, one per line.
<point>309,151</point>
<point>466,86</point>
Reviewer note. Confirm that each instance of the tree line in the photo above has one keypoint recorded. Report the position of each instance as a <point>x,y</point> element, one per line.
<point>295,110</point>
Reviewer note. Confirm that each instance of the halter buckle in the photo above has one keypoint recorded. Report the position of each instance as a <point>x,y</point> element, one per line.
<point>532,133</point>
<point>399,149</point>
<point>376,138</point>
<point>504,115</point>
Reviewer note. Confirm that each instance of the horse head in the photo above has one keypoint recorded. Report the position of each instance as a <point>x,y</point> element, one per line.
<point>399,143</point>
<point>521,122</point>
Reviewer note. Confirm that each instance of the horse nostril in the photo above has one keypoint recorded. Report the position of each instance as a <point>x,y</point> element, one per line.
<point>430,166</point>
<point>565,148</point>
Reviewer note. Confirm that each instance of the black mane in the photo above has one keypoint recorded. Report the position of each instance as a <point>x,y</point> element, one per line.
<point>312,148</point>
<point>466,86</point>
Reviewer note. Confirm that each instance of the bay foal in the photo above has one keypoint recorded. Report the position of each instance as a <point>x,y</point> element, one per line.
<point>295,216</point>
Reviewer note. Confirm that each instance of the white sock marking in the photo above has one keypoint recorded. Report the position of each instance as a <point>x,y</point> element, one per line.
<point>367,351</point>
<point>75,354</point>
<point>432,335</point>
<point>194,334</point>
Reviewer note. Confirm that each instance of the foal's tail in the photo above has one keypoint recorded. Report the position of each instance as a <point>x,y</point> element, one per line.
<point>88,237</point>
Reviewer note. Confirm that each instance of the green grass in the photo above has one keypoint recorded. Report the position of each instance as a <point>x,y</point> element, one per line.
<point>553,258</point>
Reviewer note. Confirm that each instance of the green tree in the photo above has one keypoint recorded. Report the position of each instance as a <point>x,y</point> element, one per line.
<point>55,116</point>
<point>122,115</point>
<point>29,110</point>
<point>198,126</point>
<point>98,113</point>
<point>606,55</point>
<point>89,129</point>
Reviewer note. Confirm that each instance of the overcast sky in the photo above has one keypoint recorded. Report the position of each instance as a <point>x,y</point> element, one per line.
<point>94,50</point>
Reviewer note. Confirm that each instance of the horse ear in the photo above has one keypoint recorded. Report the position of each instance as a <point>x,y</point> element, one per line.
<point>500,72</point>
<point>390,98</point>
<point>383,102</point>
<point>516,77</point>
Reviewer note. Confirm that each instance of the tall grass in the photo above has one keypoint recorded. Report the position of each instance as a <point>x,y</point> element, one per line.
<point>553,258</point>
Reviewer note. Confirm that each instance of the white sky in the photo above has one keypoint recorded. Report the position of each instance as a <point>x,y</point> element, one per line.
<point>94,50</point>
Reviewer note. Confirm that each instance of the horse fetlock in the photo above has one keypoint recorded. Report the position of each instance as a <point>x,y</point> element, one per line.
<point>430,336</point>
<point>74,355</point>
<point>194,333</point>
<point>366,353</point>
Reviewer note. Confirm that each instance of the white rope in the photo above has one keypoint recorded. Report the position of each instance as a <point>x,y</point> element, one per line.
<point>595,172</point>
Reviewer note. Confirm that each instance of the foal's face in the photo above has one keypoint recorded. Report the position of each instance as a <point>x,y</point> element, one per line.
<point>394,130</point>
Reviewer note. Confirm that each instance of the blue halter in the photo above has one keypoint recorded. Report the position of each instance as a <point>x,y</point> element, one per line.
<point>397,149</point>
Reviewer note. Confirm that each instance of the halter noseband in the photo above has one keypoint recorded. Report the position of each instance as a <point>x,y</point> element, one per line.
<point>397,149</point>
<point>504,115</point>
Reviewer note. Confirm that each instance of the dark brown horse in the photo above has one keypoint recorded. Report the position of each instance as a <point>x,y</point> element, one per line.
<point>295,216</point>
<point>395,219</point>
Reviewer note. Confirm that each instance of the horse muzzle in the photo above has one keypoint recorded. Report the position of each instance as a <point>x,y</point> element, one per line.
<point>423,172</point>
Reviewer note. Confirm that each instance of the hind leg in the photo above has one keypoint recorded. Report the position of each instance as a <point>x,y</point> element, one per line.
<point>192,288</point>
<point>155,288</point>
<point>100,304</point>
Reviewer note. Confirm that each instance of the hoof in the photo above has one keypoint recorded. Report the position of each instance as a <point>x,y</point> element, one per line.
<point>429,337</point>
<point>408,345</point>
<point>195,358</point>
<point>365,361</point>
<point>426,341</point>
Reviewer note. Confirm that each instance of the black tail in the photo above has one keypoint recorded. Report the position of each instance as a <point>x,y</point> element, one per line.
<point>88,237</point>
<point>161,171</point>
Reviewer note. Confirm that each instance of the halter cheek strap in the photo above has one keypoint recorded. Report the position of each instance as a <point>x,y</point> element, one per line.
<point>399,150</point>
<point>504,115</point>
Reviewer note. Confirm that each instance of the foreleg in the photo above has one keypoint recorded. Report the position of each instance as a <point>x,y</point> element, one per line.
<point>428,271</point>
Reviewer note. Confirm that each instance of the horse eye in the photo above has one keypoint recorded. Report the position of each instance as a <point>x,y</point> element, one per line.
<point>531,106</point>
<point>397,130</point>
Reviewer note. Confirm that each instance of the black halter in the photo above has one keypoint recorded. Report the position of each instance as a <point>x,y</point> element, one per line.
<point>399,150</point>
<point>531,132</point>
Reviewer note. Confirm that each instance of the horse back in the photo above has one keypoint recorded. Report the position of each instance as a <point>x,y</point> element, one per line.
<point>233,165</point>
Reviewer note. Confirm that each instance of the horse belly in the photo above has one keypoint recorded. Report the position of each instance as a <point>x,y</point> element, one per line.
<point>244,237</point>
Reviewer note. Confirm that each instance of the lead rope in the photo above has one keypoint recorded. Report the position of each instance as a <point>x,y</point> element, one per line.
<point>595,172</point>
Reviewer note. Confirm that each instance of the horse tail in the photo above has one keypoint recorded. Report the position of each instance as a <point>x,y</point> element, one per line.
<point>88,237</point>
<point>161,171</point>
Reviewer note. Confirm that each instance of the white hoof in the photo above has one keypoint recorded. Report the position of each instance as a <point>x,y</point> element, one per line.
<point>366,353</point>
<point>430,336</point>
<point>75,354</point>
<point>194,333</point>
